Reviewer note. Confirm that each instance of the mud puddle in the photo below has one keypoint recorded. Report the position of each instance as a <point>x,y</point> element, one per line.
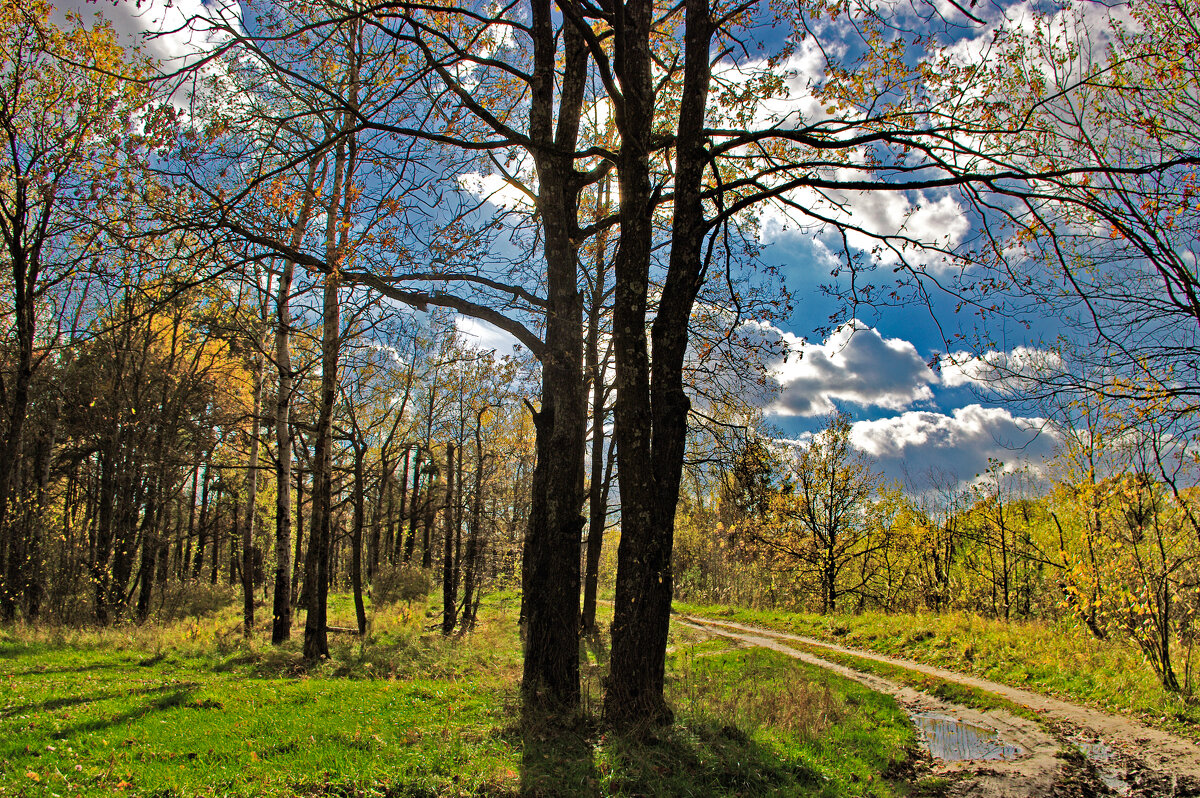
<point>1102,759</point>
<point>952,740</point>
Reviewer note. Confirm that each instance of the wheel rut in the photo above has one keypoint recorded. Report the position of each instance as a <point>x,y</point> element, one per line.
<point>1073,751</point>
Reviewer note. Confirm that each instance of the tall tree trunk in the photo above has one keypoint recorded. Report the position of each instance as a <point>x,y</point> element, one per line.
<point>24,270</point>
<point>356,539</point>
<point>299,559</point>
<point>281,608</point>
<point>235,535</point>
<point>598,487</point>
<point>34,587</point>
<point>281,605</point>
<point>252,496</point>
<point>410,541</point>
<point>150,547</point>
<point>449,597</point>
<point>550,576</point>
<point>651,414</point>
<point>215,539</point>
<point>105,499</point>
<point>474,531</point>
<point>203,526</point>
<point>397,514</point>
<point>316,643</point>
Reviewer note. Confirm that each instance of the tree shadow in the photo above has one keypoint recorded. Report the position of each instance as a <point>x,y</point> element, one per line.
<point>688,758</point>
<point>557,756</point>
<point>97,666</point>
<point>707,758</point>
<point>174,696</point>
<point>59,703</point>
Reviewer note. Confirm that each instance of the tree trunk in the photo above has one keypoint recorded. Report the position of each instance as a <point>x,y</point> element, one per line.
<point>651,406</point>
<point>410,541</point>
<point>281,604</point>
<point>449,591</point>
<point>24,272</point>
<point>550,576</point>
<point>316,643</point>
<point>251,501</point>
<point>598,488</point>
<point>316,572</point>
<point>299,559</point>
<point>474,531</point>
<point>356,538</point>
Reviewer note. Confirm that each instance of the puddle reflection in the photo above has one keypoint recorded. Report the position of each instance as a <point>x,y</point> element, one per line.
<point>950,739</point>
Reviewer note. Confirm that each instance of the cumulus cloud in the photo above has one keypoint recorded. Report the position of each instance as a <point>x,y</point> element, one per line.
<point>855,364</point>
<point>916,443</point>
<point>1002,373</point>
<point>496,189</point>
<point>483,336</point>
<point>916,226</point>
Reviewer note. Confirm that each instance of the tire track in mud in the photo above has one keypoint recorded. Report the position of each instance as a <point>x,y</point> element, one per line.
<point>1156,763</point>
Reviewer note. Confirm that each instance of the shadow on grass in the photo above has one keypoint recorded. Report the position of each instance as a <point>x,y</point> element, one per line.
<point>171,697</point>
<point>177,697</point>
<point>59,703</point>
<point>685,759</point>
<point>701,758</point>
<point>96,666</point>
<point>557,756</point>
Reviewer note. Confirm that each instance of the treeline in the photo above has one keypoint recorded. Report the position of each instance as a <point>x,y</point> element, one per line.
<point>149,461</point>
<point>222,274</point>
<point>1108,539</point>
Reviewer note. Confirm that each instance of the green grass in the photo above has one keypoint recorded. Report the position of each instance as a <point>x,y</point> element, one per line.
<point>193,710</point>
<point>1053,659</point>
<point>830,735</point>
<point>189,708</point>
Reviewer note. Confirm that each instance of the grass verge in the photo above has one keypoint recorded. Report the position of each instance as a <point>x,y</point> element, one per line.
<point>1056,660</point>
<point>190,708</point>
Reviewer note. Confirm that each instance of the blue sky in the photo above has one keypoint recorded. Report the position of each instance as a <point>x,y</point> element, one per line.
<point>912,418</point>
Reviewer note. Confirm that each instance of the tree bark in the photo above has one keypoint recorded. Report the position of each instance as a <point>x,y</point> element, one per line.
<point>251,500</point>
<point>449,588</point>
<point>550,577</point>
<point>651,405</point>
<point>356,532</point>
<point>281,606</point>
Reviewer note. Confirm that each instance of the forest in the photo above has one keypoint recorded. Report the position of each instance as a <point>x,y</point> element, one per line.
<point>337,326</point>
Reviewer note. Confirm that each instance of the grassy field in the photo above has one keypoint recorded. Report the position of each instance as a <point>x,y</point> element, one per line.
<point>191,709</point>
<point>1057,660</point>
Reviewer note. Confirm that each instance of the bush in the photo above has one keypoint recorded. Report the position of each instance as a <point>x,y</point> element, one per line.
<point>400,583</point>
<point>194,598</point>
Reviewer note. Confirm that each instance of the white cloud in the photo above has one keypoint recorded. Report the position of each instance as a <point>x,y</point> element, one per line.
<point>484,336</point>
<point>169,31</point>
<point>917,443</point>
<point>1003,373</point>
<point>855,364</point>
<point>495,189</point>
<point>915,225</point>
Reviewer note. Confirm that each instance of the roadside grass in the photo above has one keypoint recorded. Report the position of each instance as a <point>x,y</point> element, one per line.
<point>830,735</point>
<point>191,708</point>
<point>1054,659</point>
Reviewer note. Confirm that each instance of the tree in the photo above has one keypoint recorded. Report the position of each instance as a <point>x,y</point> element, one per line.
<point>833,485</point>
<point>59,95</point>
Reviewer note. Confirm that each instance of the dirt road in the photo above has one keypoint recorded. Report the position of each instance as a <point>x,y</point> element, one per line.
<point>1126,757</point>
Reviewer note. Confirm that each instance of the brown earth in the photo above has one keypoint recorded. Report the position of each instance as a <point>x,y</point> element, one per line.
<point>1127,757</point>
